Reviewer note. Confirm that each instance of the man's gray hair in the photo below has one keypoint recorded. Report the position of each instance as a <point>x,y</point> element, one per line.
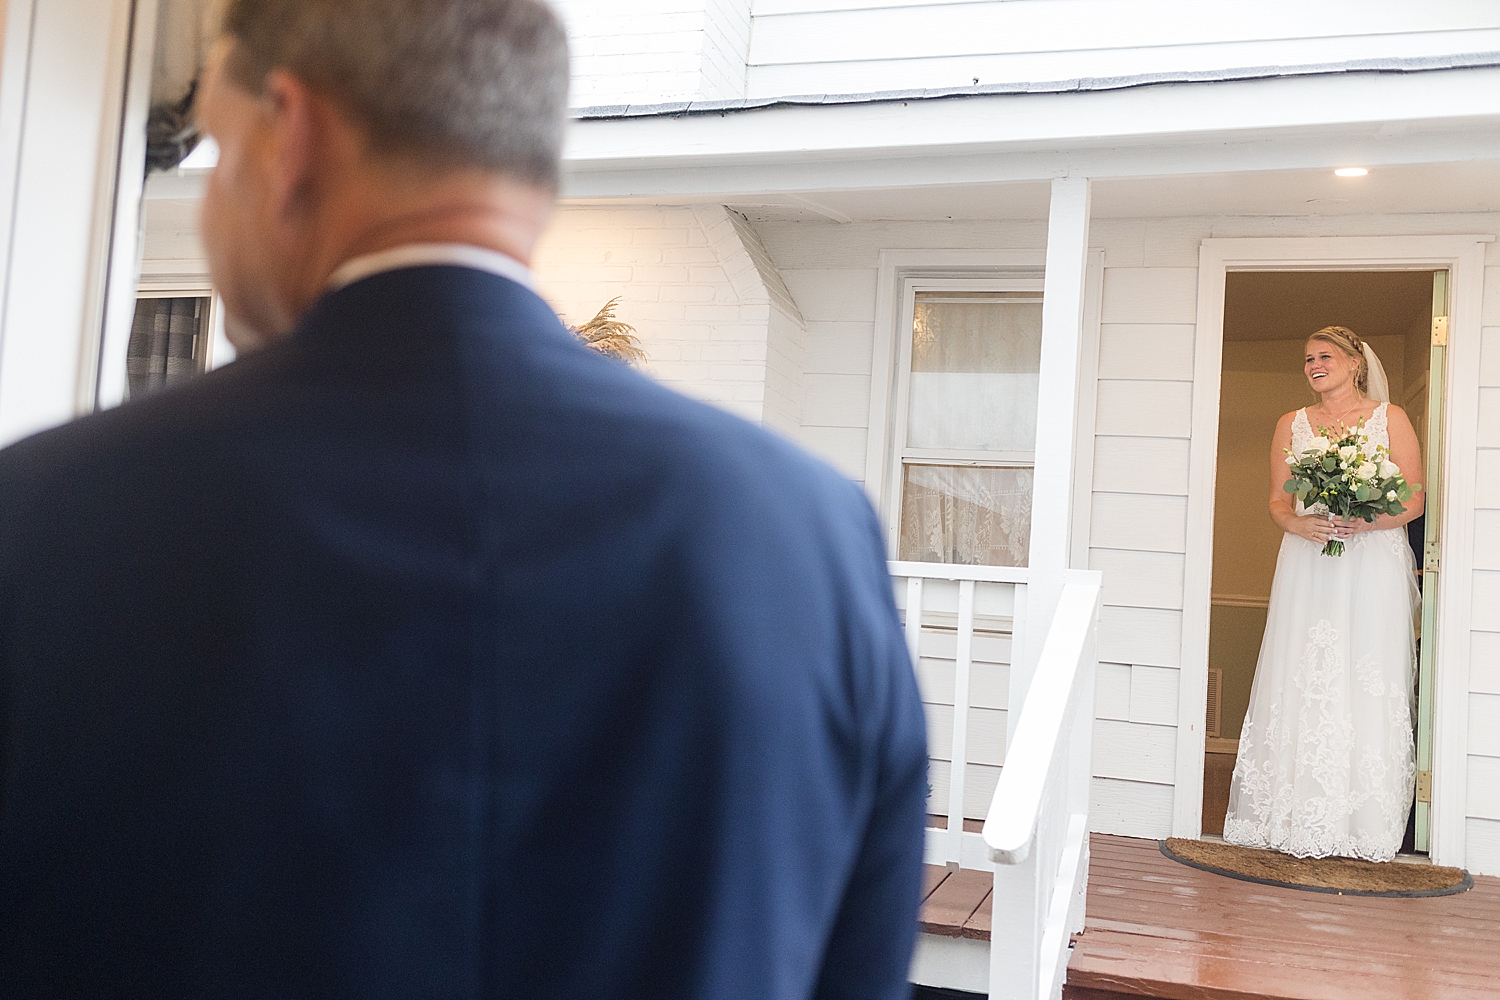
<point>481,83</point>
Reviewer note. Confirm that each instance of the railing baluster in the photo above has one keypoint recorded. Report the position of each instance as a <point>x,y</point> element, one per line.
<point>914,617</point>
<point>960,757</point>
<point>1017,651</point>
<point>1036,831</point>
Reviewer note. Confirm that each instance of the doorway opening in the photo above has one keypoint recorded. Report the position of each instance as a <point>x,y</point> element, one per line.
<point>1268,316</point>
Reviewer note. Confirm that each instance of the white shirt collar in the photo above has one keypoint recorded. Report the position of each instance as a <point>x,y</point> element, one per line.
<point>428,254</point>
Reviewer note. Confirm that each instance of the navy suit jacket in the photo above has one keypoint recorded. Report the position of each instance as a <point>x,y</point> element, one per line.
<point>429,654</point>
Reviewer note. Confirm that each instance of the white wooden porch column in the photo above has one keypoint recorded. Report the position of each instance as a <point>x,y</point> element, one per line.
<point>1052,497</point>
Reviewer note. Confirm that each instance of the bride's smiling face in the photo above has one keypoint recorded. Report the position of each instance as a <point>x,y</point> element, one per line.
<point>1328,368</point>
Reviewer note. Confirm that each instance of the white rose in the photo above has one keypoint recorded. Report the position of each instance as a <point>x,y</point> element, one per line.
<point>1320,444</point>
<point>1390,494</point>
<point>1365,472</point>
<point>1389,469</point>
<point>1347,452</point>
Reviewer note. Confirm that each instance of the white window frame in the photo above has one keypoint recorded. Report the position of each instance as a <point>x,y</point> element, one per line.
<point>217,351</point>
<point>896,266</point>
<point>901,454</point>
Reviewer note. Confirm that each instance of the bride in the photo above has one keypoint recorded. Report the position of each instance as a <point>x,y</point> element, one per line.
<point>1326,763</point>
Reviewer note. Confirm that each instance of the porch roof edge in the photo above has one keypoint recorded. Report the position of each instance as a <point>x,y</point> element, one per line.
<point>1391,64</point>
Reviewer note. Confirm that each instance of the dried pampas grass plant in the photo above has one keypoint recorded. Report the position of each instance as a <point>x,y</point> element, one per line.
<point>610,336</point>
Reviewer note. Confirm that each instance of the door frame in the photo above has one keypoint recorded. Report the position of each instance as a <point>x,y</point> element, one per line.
<point>1463,256</point>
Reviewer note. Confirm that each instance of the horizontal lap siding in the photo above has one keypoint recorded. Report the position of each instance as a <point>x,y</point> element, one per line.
<point>1138,536</point>
<point>859,46</point>
<point>1483,832</point>
<point>838,306</point>
<point>989,693</point>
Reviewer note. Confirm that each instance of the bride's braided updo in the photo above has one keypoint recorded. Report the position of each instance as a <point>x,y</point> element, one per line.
<point>1348,341</point>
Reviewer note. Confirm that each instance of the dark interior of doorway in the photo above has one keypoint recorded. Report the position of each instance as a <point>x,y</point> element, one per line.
<point>1267,318</point>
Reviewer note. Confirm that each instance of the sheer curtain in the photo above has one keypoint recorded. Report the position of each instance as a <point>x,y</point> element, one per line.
<point>974,516</point>
<point>164,347</point>
<point>974,374</point>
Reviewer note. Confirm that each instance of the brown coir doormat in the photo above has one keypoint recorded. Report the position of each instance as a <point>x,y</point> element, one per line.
<point>1347,876</point>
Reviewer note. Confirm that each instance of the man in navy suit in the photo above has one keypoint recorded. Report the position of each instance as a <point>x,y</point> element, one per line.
<point>423,652</point>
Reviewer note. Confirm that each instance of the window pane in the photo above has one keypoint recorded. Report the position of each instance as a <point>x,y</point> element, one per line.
<point>974,363</point>
<point>974,516</point>
<point>165,346</point>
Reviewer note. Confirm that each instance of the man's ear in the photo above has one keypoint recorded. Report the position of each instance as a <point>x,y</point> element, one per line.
<point>291,111</point>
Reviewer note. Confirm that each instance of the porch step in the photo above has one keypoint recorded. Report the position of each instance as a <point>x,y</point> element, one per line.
<point>953,950</point>
<point>956,902</point>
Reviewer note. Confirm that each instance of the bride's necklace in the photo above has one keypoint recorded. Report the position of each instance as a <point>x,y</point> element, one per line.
<point>1339,420</point>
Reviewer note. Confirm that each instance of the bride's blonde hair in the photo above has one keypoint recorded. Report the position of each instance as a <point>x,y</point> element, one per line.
<point>1348,341</point>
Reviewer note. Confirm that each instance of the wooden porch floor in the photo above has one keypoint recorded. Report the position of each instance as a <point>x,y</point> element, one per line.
<point>1156,928</point>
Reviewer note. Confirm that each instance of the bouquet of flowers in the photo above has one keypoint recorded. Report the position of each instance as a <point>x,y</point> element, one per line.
<point>1349,476</point>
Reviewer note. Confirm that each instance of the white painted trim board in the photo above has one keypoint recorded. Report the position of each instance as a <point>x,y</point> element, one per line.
<point>1463,255</point>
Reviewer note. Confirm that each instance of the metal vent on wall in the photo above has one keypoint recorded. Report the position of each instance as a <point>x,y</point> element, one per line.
<point>1215,692</point>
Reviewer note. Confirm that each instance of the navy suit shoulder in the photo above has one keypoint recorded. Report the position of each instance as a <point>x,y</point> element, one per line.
<point>428,653</point>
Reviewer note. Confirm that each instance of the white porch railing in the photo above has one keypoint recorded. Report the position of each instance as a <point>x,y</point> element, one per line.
<point>950,598</point>
<point>1037,831</point>
<point>1035,835</point>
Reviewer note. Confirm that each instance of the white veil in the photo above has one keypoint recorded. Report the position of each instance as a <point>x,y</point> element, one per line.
<point>1379,388</point>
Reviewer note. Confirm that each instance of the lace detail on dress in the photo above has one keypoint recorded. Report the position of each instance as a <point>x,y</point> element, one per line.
<point>1304,784</point>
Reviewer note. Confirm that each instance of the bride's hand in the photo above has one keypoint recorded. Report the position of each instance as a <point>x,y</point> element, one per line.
<point>1348,528</point>
<point>1317,528</point>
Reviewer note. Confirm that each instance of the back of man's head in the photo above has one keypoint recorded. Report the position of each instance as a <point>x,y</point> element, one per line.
<point>458,83</point>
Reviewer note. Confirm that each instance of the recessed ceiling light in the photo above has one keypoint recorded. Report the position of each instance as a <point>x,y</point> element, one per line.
<point>1351,171</point>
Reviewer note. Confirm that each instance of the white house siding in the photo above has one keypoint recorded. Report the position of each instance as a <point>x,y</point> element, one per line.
<point>1140,472</point>
<point>747,315</point>
<point>1138,535</point>
<point>171,244</point>
<point>652,51</point>
<point>832,270</point>
<point>711,325</point>
<point>1484,664</point>
<point>859,46</point>
<point>989,692</point>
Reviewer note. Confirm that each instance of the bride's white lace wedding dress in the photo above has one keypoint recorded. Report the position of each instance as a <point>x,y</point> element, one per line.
<point>1327,763</point>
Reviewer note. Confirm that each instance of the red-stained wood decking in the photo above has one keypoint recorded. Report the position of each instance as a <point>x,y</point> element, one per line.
<point>1156,928</point>
<point>1160,929</point>
<point>956,902</point>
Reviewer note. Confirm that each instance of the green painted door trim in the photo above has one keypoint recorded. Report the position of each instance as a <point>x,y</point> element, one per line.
<point>1431,548</point>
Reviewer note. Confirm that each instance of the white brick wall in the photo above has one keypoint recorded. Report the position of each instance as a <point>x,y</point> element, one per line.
<point>652,51</point>
<point>726,49</point>
<point>710,325</point>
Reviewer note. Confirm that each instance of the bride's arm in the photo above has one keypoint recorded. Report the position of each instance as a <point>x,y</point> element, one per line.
<point>1406,452</point>
<point>1284,504</point>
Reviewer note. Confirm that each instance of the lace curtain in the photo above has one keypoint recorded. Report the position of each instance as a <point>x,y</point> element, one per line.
<point>164,345</point>
<point>975,363</point>
<point>972,516</point>
<point>974,373</point>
